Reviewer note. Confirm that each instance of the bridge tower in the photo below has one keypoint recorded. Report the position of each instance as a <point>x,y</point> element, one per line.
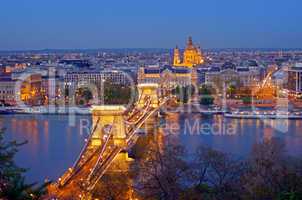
<point>151,90</point>
<point>108,119</point>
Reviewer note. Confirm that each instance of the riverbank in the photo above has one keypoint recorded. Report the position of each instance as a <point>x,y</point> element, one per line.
<point>243,112</point>
<point>187,108</point>
<point>46,110</point>
<point>264,115</point>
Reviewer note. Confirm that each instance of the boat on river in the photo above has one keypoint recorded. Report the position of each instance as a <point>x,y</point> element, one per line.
<point>264,115</point>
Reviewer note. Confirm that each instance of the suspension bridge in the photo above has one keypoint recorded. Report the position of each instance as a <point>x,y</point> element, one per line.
<point>115,130</point>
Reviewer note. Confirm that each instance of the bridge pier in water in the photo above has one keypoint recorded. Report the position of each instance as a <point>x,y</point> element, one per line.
<point>110,119</point>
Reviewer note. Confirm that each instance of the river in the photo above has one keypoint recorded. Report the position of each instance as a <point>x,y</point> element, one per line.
<point>54,141</point>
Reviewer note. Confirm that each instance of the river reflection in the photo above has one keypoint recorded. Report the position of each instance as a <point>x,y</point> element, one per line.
<point>54,143</point>
<point>235,136</point>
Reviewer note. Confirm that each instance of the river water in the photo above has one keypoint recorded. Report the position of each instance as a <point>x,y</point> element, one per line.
<point>54,141</point>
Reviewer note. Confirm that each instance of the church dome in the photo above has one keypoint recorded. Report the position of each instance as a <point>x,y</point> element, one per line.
<point>192,56</point>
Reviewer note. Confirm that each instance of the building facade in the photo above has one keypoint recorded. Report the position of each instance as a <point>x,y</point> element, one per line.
<point>25,87</point>
<point>7,91</point>
<point>294,83</point>
<point>229,73</point>
<point>192,56</point>
<point>96,77</point>
<point>165,76</point>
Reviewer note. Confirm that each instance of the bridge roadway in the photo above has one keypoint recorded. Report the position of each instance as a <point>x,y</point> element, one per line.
<point>93,162</point>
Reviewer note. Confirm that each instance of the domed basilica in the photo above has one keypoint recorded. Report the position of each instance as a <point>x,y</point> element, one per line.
<point>192,56</point>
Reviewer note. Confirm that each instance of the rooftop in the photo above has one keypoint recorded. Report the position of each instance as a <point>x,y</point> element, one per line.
<point>298,65</point>
<point>158,70</point>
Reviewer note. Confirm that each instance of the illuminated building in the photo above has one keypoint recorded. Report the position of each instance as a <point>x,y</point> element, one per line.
<point>7,91</point>
<point>52,89</point>
<point>192,56</point>
<point>182,72</point>
<point>93,80</point>
<point>96,77</point>
<point>294,83</point>
<point>165,76</point>
<point>31,89</point>
<point>28,88</point>
<point>229,73</point>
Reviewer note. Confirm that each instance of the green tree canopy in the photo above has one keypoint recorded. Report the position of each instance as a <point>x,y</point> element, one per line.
<point>12,180</point>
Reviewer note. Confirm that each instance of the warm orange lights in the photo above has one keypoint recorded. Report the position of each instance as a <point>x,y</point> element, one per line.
<point>192,56</point>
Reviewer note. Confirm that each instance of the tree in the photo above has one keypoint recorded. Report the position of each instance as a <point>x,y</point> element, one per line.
<point>162,172</point>
<point>231,90</point>
<point>87,94</point>
<point>246,100</point>
<point>215,174</point>
<point>268,173</point>
<point>183,93</point>
<point>112,186</point>
<point>66,91</point>
<point>271,174</point>
<point>12,180</point>
<point>83,95</point>
<point>116,94</point>
<point>206,100</point>
<point>206,91</point>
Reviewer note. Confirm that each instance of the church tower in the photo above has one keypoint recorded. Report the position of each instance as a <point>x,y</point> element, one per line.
<point>190,43</point>
<point>176,58</point>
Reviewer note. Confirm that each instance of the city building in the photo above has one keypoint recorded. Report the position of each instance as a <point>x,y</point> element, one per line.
<point>20,86</point>
<point>96,77</point>
<point>80,63</point>
<point>192,56</point>
<point>7,90</point>
<point>94,80</point>
<point>229,73</point>
<point>182,72</point>
<point>52,89</point>
<point>31,89</point>
<point>294,83</point>
<point>165,75</point>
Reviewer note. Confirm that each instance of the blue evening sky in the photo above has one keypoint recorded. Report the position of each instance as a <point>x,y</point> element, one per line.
<point>40,24</point>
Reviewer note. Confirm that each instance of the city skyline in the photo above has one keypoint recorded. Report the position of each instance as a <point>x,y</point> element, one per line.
<point>161,100</point>
<point>35,25</point>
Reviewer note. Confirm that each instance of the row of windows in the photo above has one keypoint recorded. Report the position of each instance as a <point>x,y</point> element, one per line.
<point>7,97</point>
<point>6,87</point>
<point>6,91</point>
<point>172,82</point>
<point>94,76</point>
